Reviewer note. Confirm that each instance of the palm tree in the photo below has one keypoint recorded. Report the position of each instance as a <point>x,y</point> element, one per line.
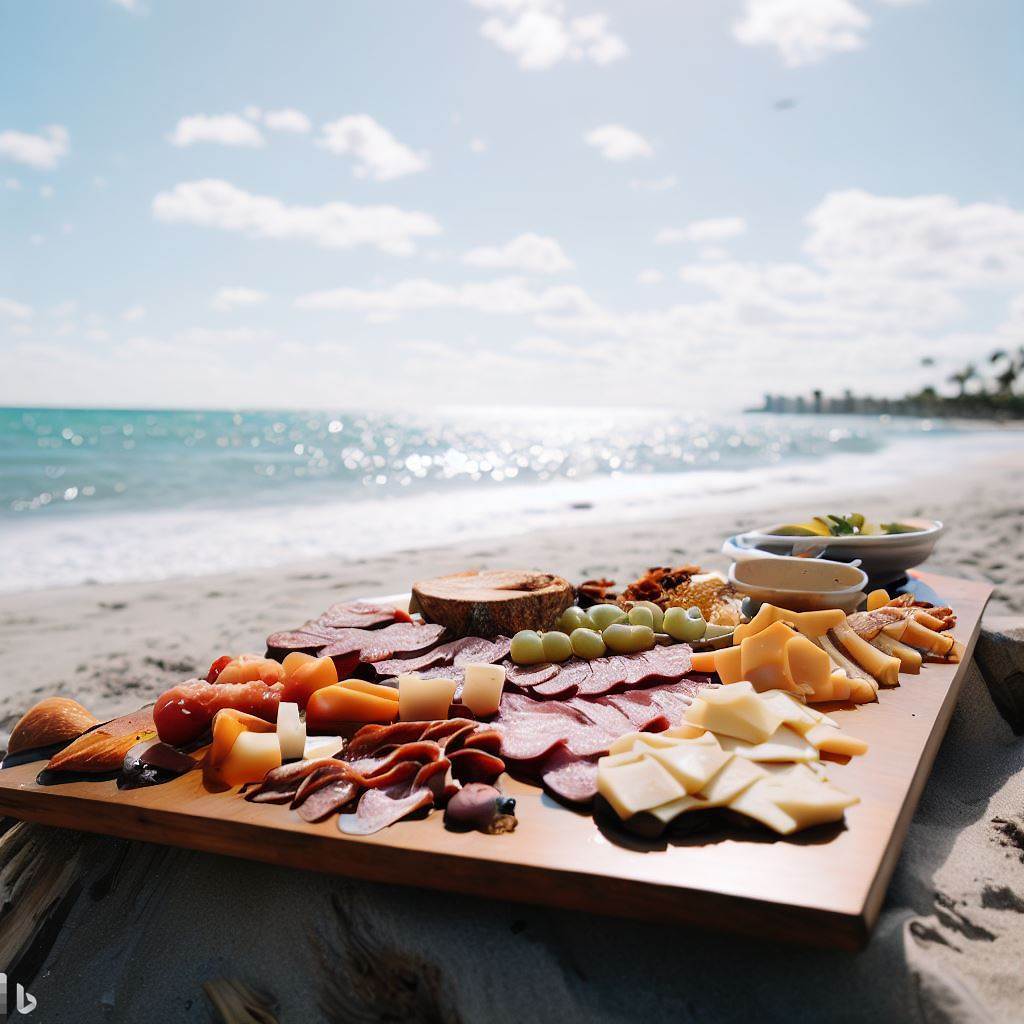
<point>961,379</point>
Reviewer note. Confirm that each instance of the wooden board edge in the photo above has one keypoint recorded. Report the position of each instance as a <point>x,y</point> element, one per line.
<point>880,886</point>
<point>619,898</point>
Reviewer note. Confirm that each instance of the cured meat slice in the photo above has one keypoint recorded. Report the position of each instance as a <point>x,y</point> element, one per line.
<point>360,615</point>
<point>371,738</point>
<point>378,808</point>
<point>484,739</point>
<point>531,732</point>
<point>572,678</point>
<point>324,802</point>
<point>572,778</point>
<point>417,750</point>
<point>443,731</point>
<point>643,712</point>
<point>373,645</point>
<point>525,676</point>
<point>280,785</point>
<point>472,765</point>
<point>435,777</point>
<point>607,716</point>
<point>455,653</point>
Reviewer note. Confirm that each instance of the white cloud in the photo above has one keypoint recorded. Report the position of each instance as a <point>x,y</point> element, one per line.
<point>616,142</point>
<point>43,151</point>
<point>46,191</point>
<point>803,31</point>
<point>378,154</point>
<point>533,253</point>
<point>225,129</point>
<point>228,298</point>
<point>218,204</point>
<point>650,276</point>
<point>504,296</point>
<point>662,184</point>
<point>539,34</point>
<point>477,146</point>
<point>715,229</point>
<point>15,310</point>
<point>133,313</point>
<point>203,336</point>
<point>12,184</point>
<point>287,120</point>
<point>929,237</point>
<point>132,6</point>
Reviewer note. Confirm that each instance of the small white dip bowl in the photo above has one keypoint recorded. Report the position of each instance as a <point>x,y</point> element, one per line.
<point>800,584</point>
<point>884,557</point>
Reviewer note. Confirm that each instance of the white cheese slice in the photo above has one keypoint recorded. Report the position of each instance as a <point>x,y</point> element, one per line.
<point>693,764</point>
<point>733,777</point>
<point>783,745</point>
<point>833,741</point>
<point>322,746</point>
<point>758,802</point>
<point>735,710</point>
<point>636,787</point>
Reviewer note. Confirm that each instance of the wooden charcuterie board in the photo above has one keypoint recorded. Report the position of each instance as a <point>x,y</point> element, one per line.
<point>825,886</point>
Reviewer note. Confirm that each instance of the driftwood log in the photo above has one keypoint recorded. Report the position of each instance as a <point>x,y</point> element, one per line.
<point>492,603</point>
<point>101,929</point>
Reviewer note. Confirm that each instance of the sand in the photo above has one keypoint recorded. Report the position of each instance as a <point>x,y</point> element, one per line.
<point>143,927</point>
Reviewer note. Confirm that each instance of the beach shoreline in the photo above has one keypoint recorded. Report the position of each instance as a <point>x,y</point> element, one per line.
<point>113,646</point>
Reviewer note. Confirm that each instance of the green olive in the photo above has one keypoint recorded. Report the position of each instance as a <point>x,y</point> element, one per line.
<point>624,639</point>
<point>557,646</point>
<point>603,615</point>
<point>527,648</point>
<point>639,616</point>
<point>573,618</point>
<point>685,625</point>
<point>587,643</point>
<point>655,611</point>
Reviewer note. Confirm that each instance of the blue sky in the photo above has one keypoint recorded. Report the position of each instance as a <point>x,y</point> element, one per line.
<point>504,200</point>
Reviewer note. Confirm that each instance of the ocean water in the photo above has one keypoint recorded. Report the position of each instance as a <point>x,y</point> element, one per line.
<point>104,495</point>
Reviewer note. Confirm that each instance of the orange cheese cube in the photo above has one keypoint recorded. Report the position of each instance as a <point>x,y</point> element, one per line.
<point>306,677</point>
<point>228,725</point>
<point>252,756</point>
<point>763,661</point>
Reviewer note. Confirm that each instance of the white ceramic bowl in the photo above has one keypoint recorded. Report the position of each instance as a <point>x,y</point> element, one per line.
<point>800,584</point>
<point>884,558</point>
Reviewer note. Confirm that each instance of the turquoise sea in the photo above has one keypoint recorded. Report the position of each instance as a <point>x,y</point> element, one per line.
<point>119,494</point>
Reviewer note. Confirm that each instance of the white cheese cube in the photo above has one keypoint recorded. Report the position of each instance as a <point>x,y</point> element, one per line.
<point>424,700</point>
<point>291,731</point>
<point>481,688</point>
<point>322,746</point>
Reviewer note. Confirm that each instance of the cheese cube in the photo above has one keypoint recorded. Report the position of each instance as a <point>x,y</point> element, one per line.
<point>291,732</point>
<point>734,711</point>
<point>783,745</point>
<point>632,788</point>
<point>732,778</point>
<point>762,659</point>
<point>424,700</point>
<point>481,688</point>
<point>322,746</point>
